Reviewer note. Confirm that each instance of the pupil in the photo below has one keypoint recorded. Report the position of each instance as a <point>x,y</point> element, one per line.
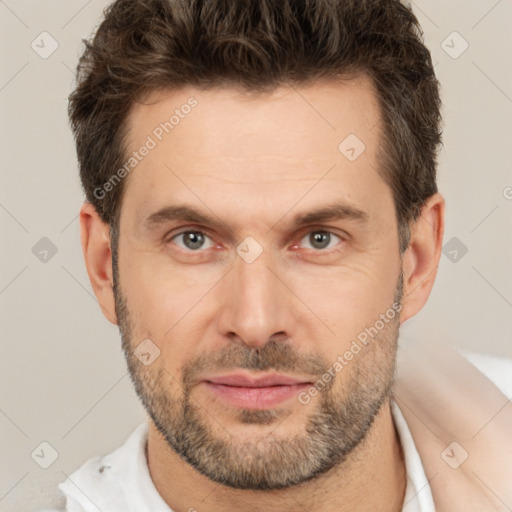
<point>193,239</point>
<point>320,239</point>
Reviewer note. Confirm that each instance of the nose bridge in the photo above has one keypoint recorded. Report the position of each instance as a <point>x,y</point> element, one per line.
<point>254,306</point>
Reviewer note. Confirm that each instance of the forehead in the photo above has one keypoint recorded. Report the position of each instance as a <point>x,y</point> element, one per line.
<point>260,123</point>
<point>256,150</point>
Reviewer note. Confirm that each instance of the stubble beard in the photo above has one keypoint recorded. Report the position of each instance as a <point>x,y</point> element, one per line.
<point>339,421</point>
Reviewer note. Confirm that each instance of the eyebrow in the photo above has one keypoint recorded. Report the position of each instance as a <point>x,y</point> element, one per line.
<point>336,211</point>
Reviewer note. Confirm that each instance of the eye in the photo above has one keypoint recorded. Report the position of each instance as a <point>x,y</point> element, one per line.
<point>192,240</point>
<point>320,239</point>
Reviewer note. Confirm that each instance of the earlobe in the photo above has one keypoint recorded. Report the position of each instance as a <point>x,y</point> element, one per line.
<point>95,238</point>
<point>421,258</point>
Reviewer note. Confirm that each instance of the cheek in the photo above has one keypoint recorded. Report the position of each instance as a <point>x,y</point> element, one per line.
<point>351,298</point>
<point>161,293</point>
<point>166,305</point>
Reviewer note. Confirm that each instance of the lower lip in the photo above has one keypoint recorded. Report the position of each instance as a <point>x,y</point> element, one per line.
<point>256,398</point>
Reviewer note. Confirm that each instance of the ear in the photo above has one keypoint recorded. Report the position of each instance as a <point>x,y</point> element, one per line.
<point>421,258</point>
<point>95,237</point>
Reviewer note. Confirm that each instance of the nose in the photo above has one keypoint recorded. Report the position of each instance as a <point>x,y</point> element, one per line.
<point>256,305</point>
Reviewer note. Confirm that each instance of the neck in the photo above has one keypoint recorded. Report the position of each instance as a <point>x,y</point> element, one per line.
<point>372,478</point>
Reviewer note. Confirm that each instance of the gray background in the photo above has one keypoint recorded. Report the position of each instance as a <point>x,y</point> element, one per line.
<point>63,376</point>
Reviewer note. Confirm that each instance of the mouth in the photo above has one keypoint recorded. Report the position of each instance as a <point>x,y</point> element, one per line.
<point>248,392</point>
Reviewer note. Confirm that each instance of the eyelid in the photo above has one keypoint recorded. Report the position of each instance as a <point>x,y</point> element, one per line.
<point>185,229</point>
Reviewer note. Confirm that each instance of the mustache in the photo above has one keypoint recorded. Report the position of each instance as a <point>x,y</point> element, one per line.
<point>274,355</point>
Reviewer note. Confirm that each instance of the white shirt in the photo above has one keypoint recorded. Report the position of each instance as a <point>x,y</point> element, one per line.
<point>418,496</point>
<point>120,481</point>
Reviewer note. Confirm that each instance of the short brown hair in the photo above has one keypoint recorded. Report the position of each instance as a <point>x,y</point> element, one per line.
<point>259,45</point>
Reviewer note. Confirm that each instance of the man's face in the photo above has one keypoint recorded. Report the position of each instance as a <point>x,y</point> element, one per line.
<point>294,299</point>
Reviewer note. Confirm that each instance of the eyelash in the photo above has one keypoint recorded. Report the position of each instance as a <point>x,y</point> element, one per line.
<point>316,230</point>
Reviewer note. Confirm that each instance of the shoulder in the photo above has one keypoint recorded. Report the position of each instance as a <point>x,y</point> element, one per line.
<point>497,369</point>
<point>90,481</point>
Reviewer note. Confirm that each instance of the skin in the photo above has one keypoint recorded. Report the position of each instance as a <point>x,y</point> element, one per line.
<point>254,162</point>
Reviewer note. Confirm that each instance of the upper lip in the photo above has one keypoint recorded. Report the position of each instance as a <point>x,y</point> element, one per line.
<point>247,381</point>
